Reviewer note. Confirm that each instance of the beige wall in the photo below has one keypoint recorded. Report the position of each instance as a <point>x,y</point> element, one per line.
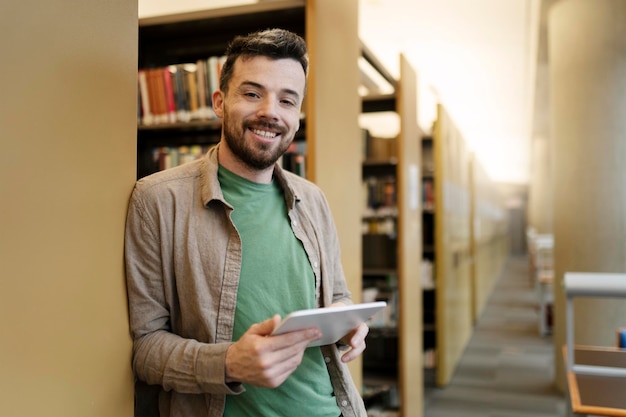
<point>67,130</point>
<point>540,205</point>
<point>588,81</point>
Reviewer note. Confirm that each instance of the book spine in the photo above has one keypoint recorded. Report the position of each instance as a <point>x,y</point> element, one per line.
<point>190,76</point>
<point>146,112</point>
<point>204,110</point>
<point>183,110</point>
<point>169,95</point>
<point>159,84</point>
<point>213,64</point>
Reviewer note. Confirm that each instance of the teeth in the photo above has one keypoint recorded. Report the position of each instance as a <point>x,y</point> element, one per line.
<point>264,133</point>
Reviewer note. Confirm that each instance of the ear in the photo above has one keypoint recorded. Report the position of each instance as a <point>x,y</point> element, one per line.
<point>218,103</point>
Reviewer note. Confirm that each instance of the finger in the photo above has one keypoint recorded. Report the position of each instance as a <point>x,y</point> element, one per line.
<point>359,335</point>
<point>353,353</point>
<point>282,360</point>
<point>356,342</point>
<point>280,371</point>
<point>265,328</point>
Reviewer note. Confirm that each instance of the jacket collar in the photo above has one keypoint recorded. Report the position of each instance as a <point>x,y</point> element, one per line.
<point>210,186</point>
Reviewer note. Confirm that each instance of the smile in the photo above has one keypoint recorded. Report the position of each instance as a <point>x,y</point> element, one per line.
<point>264,133</point>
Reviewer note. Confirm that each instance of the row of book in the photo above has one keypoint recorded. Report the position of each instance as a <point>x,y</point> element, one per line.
<point>430,358</point>
<point>381,196</point>
<point>388,317</point>
<point>178,93</point>
<point>428,194</point>
<point>380,192</point>
<point>165,157</point>
<point>294,159</point>
<point>171,156</point>
<point>379,224</point>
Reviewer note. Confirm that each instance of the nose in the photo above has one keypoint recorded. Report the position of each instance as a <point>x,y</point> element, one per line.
<point>268,108</point>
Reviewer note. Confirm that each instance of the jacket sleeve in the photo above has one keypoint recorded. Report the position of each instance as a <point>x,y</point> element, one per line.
<point>333,276</point>
<point>159,356</point>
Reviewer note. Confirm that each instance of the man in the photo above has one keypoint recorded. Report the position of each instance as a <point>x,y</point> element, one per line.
<point>218,249</point>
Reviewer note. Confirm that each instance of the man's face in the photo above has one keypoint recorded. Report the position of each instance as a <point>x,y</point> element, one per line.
<point>261,110</point>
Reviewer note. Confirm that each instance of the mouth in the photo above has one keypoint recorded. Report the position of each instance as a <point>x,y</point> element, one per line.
<point>265,134</point>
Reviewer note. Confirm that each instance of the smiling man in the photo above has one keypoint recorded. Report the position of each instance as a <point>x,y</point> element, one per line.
<point>218,249</point>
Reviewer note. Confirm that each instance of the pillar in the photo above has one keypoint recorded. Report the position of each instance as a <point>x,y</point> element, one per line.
<point>588,97</point>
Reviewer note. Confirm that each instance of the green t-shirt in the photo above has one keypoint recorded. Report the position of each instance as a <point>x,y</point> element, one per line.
<point>276,277</point>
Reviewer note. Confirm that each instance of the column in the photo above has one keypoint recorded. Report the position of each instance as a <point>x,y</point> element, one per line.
<point>588,96</point>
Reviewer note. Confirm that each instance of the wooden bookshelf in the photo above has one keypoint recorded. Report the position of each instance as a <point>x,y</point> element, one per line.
<point>489,232</point>
<point>428,252</point>
<point>452,246</point>
<point>185,38</point>
<point>470,241</point>
<point>393,360</point>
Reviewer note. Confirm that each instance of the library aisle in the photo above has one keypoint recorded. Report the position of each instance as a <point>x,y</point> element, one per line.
<point>507,368</point>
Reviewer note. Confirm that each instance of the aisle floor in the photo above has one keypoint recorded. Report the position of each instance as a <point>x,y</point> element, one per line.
<point>507,368</point>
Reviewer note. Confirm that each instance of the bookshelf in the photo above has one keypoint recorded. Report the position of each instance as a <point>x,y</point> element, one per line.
<point>186,46</point>
<point>468,231</point>
<point>428,254</point>
<point>454,324</point>
<point>392,371</point>
<point>489,232</point>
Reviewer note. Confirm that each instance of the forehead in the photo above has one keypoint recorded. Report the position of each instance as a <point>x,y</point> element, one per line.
<point>284,73</point>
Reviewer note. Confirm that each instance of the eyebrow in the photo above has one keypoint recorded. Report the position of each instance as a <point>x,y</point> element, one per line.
<point>261,87</point>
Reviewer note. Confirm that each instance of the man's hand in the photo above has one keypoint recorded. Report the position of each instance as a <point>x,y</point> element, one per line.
<point>267,361</point>
<point>356,341</point>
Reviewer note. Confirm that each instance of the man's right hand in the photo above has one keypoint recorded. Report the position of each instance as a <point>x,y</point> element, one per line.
<point>267,361</point>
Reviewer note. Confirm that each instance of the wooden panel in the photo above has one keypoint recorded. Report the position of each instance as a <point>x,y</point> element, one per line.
<point>488,227</point>
<point>332,132</point>
<point>452,241</point>
<point>68,165</point>
<point>409,246</point>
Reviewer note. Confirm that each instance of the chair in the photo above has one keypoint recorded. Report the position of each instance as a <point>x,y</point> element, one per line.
<point>596,375</point>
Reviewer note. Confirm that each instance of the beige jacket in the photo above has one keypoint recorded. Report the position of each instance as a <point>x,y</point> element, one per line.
<point>183,259</point>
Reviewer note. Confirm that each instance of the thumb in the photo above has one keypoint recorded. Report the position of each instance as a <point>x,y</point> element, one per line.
<point>265,328</point>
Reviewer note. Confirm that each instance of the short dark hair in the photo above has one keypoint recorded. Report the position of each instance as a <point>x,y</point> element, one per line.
<point>271,43</point>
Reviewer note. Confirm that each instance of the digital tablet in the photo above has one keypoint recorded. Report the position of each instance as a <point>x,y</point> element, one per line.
<point>334,322</point>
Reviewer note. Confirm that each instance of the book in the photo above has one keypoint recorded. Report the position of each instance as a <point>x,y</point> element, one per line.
<point>169,95</point>
<point>182,109</point>
<point>156,87</point>
<point>146,112</point>
<point>191,89</point>
<point>204,93</point>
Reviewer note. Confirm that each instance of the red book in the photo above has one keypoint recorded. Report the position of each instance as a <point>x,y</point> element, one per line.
<point>169,95</point>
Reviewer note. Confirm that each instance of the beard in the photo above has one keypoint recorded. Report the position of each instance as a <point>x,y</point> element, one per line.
<point>255,154</point>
